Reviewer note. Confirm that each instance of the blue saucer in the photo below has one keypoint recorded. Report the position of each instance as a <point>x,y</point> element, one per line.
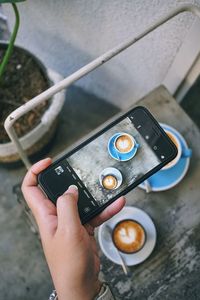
<point>166,179</point>
<point>117,155</point>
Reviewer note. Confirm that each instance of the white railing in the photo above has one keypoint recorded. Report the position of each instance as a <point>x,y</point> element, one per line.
<point>46,95</point>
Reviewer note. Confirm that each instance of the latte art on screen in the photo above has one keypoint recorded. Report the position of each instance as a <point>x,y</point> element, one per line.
<point>124,143</point>
<point>109,182</point>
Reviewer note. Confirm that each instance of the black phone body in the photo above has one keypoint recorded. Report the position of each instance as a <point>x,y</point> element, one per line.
<point>110,163</point>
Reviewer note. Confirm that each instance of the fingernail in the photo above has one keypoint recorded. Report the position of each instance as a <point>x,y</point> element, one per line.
<point>72,188</point>
<point>47,158</point>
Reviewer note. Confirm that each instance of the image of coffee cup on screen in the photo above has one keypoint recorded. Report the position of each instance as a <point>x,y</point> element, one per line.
<point>110,178</point>
<point>122,146</point>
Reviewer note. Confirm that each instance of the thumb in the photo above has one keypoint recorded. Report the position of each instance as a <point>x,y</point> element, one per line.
<point>67,209</point>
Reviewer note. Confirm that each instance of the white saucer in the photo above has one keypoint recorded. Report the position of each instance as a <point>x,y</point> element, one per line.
<point>105,240</point>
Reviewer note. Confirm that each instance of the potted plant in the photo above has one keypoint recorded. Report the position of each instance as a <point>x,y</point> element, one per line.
<point>22,77</point>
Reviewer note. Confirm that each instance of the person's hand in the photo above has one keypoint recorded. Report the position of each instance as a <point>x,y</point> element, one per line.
<point>70,248</point>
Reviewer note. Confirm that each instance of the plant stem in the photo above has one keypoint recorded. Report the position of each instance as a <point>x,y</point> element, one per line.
<point>9,50</point>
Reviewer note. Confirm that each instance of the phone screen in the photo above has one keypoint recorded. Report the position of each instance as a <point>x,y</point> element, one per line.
<point>107,165</point>
<point>113,161</point>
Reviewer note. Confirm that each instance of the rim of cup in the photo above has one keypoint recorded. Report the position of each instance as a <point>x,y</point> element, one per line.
<point>145,235</point>
<point>130,136</point>
<point>179,148</point>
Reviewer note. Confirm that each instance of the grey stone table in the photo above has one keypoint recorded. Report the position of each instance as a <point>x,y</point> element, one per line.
<point>173,269</point>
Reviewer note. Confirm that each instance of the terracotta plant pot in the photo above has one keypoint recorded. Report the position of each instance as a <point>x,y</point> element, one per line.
<point>38,137</point>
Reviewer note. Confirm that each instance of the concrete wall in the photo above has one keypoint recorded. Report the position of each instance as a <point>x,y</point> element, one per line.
<point>67,34</point>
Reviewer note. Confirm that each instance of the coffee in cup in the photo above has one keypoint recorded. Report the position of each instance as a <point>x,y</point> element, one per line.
<point>129,236</point>
<point>124,143</point>
<point>109,182</point>
<point>175,140</point>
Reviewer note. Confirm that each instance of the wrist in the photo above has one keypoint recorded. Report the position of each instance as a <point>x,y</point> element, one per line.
<point>104,293</point>
<point>81,293</point>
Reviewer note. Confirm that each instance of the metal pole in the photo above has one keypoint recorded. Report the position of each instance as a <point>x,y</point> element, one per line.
<point>46,95</point>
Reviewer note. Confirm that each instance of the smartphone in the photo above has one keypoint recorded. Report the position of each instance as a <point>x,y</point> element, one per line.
<point>110,163</point>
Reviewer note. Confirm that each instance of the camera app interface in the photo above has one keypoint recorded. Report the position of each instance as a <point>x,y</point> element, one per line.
<point>112,162</point>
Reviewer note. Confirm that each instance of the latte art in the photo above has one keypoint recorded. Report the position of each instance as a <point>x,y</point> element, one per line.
<point>129,236</point>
